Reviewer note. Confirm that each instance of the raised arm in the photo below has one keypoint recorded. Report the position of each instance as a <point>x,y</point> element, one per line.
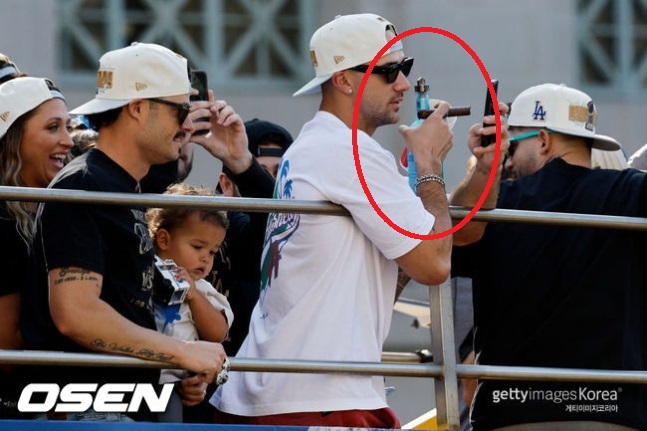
<point>228,139</point>
<point>430,261</point>
<point>471,188</point>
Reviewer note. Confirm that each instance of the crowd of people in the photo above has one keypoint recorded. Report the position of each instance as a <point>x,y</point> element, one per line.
<point>189,287</point>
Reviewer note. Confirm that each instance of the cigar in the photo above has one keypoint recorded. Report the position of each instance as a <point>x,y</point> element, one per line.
<point>459,111</point>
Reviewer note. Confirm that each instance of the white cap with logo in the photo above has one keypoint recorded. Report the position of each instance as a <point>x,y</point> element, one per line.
<point>21,95</point>
<point>561,109</point>
<point>345,42</point>
<point>138,71</point>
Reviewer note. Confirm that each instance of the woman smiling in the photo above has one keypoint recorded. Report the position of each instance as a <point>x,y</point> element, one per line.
<point>34,144</point>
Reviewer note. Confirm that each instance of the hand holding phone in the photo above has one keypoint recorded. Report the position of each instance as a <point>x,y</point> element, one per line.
<point>489,110</point>
<point>199,82</point>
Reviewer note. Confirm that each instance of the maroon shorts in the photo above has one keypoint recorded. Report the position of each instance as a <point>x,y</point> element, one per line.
<point>380,418</point>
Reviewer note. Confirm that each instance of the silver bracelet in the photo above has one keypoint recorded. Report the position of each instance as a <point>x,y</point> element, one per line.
<point>429,177</point>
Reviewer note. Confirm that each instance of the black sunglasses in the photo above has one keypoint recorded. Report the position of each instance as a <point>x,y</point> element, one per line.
<point>183,109</point>
<point>390,71</point>
<point>511,149</point>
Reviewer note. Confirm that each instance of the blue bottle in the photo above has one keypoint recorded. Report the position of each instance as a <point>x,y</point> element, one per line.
<point>422,102</point>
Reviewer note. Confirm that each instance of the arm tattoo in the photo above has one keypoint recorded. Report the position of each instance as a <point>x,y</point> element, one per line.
<point>403,280</point>
<point>74,274</point>
<point>155,356</point>
<point>127,350</point>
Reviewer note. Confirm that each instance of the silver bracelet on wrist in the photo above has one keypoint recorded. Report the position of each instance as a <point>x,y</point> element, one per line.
<point>430,177</point>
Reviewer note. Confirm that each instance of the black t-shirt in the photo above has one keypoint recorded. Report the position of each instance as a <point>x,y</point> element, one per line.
<point>554,296</point>
<point>17,267</point>
<point>16,260</point>
<point>237,267</point>
<point>237,274</point>
<point>111,240</point>
<point>159,177</point>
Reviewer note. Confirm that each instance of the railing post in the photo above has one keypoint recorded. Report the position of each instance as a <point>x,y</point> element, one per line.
<point>444,352</point>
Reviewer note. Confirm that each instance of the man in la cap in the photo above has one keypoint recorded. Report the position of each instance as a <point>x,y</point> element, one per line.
<point>328,283</point>
<point>556,296</point>
<point>528,150</point>
<point>97,260</point>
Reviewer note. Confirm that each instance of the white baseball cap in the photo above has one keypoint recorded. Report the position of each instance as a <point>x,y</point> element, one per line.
<point>346,41</point>
<point>7,67</point>
<point>561,109</point>
<point>21,95</point>
<point>138,71</point>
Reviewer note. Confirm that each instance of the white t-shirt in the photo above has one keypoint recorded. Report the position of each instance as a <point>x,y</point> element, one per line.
<point>177,321</point>
<point>328,282</point>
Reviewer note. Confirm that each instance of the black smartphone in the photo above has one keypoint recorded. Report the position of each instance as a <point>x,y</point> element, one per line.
<point>489,110</point>
<point>199,82</point>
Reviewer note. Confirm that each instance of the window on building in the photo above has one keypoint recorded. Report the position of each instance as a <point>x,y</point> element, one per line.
<point>612,42</point>
<point>252,44</point>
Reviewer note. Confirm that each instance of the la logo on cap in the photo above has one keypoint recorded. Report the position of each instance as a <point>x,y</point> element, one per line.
<point>4,116</point>
<point>540,112</point>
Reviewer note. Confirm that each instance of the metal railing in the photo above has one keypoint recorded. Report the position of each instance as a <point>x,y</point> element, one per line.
<point>444,369</point>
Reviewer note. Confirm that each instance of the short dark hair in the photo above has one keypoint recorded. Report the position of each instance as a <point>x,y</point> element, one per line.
<point>104,119</point>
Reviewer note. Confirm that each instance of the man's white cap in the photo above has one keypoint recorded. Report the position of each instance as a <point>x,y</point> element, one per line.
<point>561,109</point>
<point>21,95</point>
<point>139,71</point>
<point>345,42</point>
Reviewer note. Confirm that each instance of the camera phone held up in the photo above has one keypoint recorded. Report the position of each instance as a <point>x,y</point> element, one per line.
<point>489,110</point>
<point>199,82</point>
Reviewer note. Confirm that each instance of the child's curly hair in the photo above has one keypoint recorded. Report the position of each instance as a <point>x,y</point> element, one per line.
<point>168,218</point>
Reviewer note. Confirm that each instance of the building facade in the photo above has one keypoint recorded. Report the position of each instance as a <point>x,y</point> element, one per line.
<point>256,52</point>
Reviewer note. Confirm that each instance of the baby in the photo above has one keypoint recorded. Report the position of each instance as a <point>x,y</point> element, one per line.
<point>190,238</point>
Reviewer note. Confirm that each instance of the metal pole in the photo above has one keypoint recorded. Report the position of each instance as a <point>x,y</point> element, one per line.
<point>35,357</point>
<point>29,194</point>
<point>444,352</point>
<point>405,368</point>
<point>495,372</point>
<point>553,218</point>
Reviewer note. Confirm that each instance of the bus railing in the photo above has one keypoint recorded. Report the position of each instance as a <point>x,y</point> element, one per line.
<point>397,364</point>
<point>29,194</point>
<point>444,369</point>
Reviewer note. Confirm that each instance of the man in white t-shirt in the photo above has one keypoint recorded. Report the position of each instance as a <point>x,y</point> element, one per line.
<point>328,283</point>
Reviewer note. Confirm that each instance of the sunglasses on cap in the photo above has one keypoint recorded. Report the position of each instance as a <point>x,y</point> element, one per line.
<point>182,109</point>
<point>390,71</point>
<point>514,140</point>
